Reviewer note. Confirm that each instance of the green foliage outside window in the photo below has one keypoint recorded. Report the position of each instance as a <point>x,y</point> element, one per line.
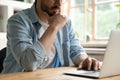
<point>107,17</point>
<point>118,6</point>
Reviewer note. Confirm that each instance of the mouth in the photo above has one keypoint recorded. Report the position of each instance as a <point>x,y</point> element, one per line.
<point>56,8</point>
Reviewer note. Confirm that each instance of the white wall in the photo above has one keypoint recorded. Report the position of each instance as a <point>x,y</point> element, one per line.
<point>3,40</point>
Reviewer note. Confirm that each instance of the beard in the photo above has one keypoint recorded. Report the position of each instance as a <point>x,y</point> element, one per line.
<point>52,10</point>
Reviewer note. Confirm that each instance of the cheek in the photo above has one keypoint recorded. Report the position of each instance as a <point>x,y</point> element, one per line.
<point>48,3</point>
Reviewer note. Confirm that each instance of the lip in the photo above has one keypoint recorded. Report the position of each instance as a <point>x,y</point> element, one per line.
<point>56,8</point>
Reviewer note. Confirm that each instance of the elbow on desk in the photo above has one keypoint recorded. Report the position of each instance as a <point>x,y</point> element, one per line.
<point>30,68</point>
<point>29,62</point>
<point>31,59</point>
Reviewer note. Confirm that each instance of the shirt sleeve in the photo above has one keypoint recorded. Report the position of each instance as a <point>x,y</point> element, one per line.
<point>28,55</point>
<point>75,47</point>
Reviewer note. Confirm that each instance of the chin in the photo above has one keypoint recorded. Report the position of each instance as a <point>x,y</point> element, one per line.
<point>54,12</point>
<point>51,14</point>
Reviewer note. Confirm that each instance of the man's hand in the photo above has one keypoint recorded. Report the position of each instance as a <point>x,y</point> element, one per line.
<point>58,21</point>
<point>90,64</point>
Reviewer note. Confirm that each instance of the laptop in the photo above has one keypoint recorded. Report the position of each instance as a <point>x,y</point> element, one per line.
<point>111,64</point>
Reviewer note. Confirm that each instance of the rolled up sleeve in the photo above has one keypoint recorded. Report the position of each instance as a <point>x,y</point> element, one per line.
<point>28,55</point>
<point>75,47</point>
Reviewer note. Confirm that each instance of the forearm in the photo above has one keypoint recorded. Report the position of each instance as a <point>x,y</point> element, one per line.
<point>48,38</point>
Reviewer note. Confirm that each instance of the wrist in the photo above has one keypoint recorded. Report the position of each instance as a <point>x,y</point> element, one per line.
<point>53,28</point>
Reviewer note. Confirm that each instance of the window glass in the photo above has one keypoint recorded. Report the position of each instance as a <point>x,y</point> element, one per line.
<point>97,18</point>
<point>107,17</point>
<point>76,2</point>
<point>77,17</point>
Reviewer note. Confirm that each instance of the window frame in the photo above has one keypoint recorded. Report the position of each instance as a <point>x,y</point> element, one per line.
<point>93,5</point>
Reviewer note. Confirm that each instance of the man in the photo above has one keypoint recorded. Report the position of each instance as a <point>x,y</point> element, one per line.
<point>41,37</point>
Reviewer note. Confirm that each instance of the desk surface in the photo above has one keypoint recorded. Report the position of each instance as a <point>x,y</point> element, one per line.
<point>48,74</point>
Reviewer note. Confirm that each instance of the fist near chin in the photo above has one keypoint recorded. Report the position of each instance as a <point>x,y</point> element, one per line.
<point>57,21</point>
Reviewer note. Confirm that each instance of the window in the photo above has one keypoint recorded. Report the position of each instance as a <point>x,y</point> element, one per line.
<point>93,19</point>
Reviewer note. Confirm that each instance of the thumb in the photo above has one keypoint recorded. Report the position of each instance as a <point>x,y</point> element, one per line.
<point>80,66</point>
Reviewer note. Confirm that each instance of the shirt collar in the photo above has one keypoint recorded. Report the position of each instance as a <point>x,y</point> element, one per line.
<point>33,15</point>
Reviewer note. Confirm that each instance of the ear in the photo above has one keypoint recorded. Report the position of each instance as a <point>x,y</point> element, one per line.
<point>35,2</point>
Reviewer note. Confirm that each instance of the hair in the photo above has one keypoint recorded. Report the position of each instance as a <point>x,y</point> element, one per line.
<point>35,2</point>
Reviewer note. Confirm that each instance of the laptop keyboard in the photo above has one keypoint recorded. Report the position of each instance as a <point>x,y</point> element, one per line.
<point>83,73</point>
<point>88,72</point>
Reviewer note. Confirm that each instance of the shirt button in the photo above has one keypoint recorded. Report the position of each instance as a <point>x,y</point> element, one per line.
<point>46,58</point>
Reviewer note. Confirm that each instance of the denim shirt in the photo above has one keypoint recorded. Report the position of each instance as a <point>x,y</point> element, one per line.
<point>26,53</point>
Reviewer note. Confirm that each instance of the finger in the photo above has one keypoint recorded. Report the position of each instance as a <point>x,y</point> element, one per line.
<point>95,64</point>
<point>58,13</point>
<point>80,66</point>
<point>89,63</point>
<point>65,17</point>
<point>100,65</point>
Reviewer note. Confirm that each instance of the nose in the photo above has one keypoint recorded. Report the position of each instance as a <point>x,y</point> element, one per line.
<point>58,2</point>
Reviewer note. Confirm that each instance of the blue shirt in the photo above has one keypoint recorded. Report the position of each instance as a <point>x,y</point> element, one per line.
<point>26,53</point>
